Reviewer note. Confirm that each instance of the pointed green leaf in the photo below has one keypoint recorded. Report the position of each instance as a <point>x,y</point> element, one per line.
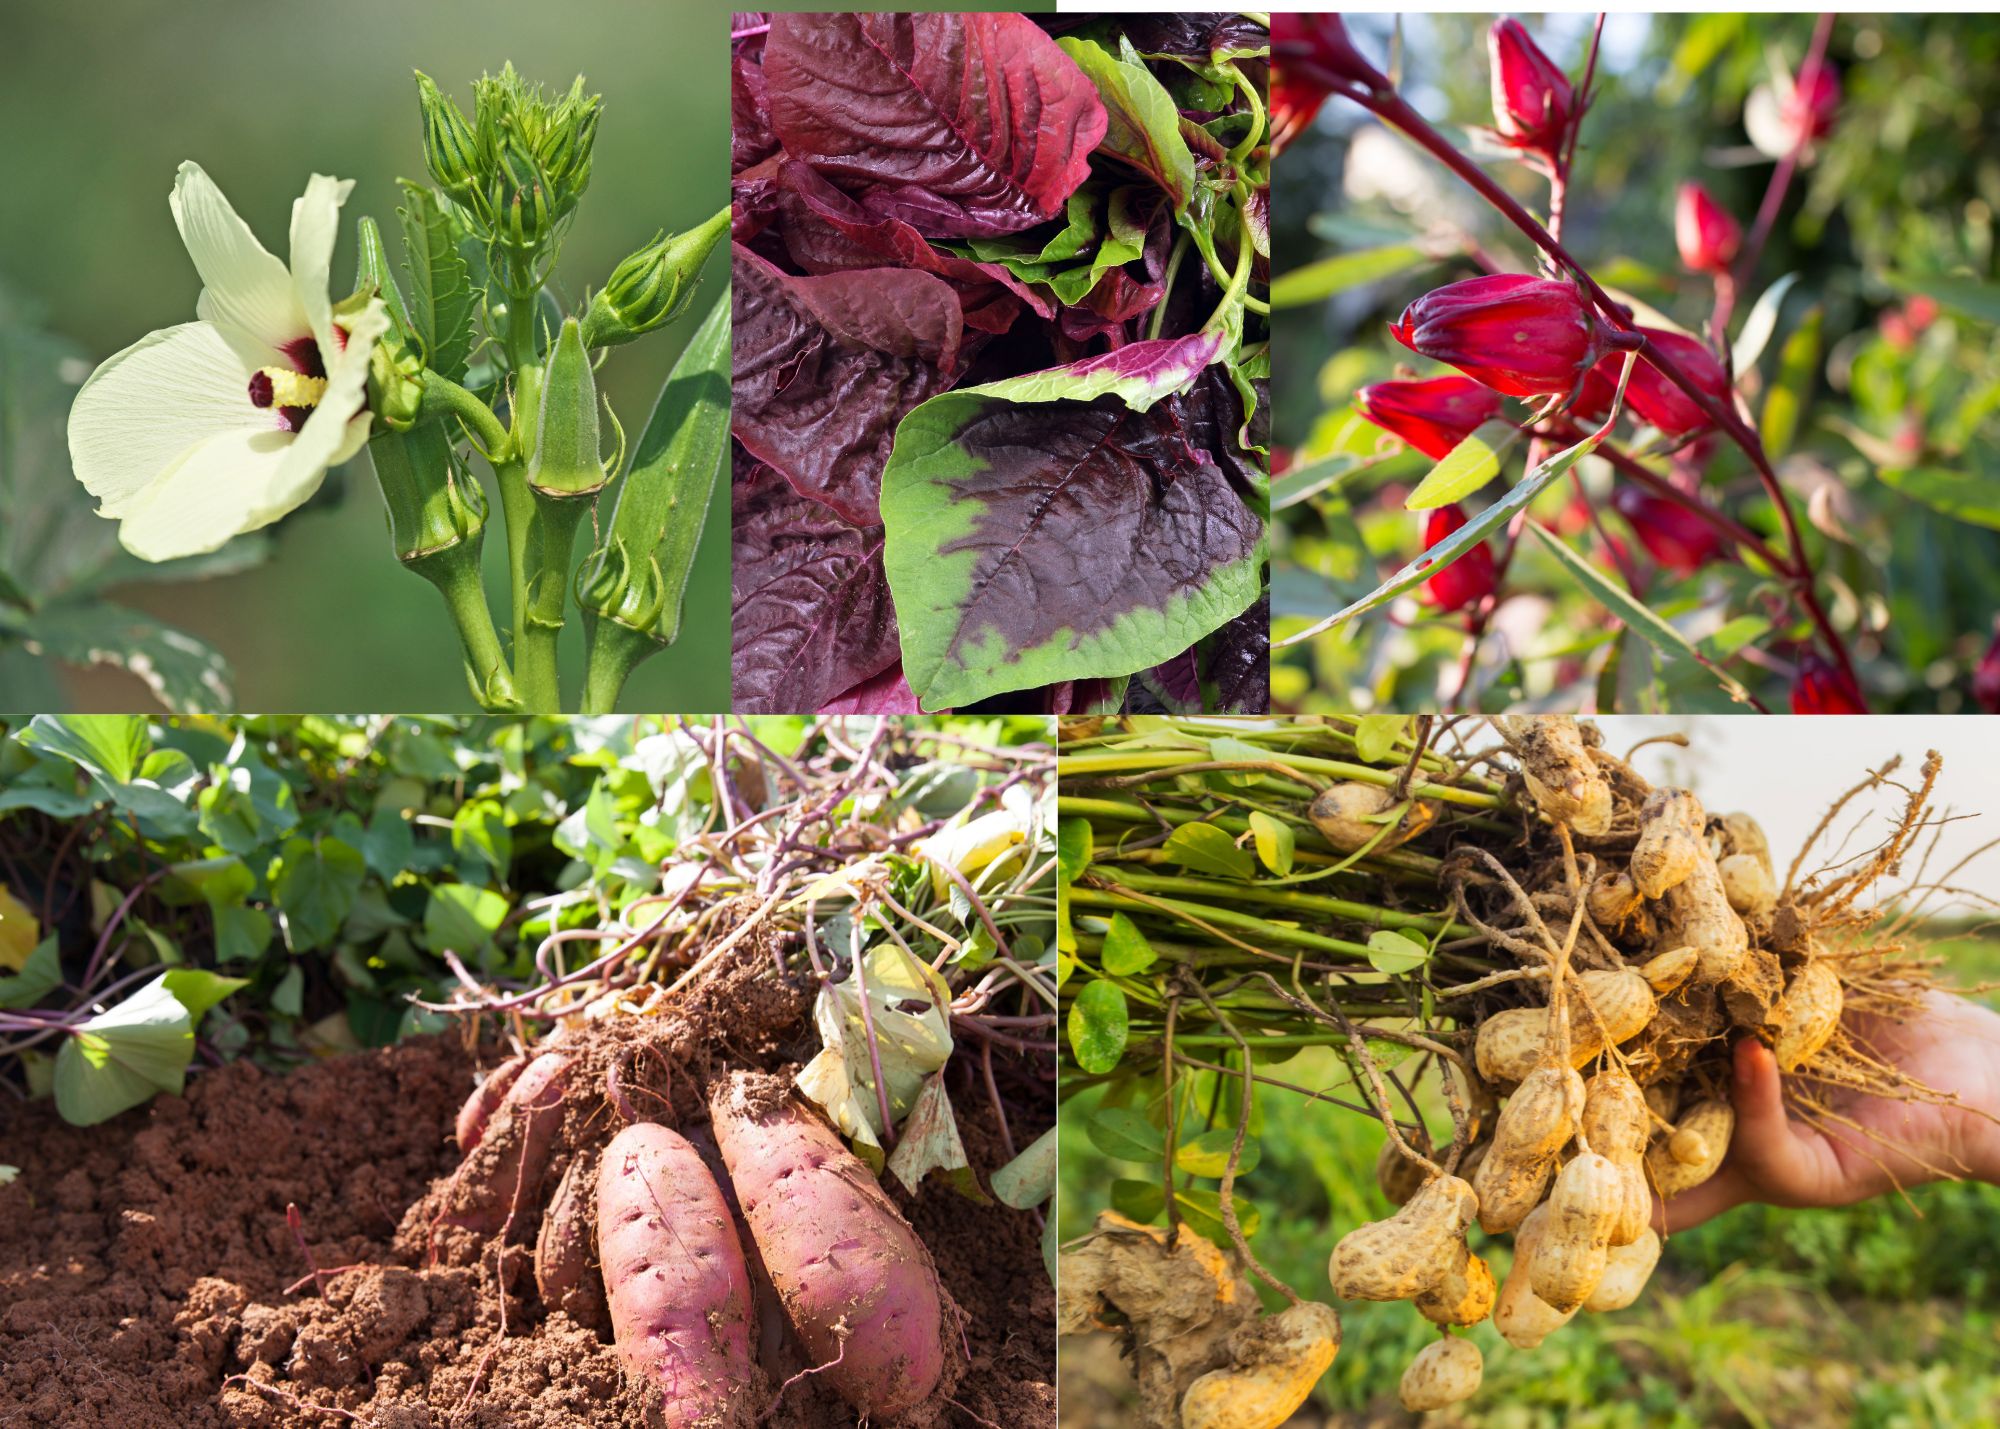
<point>1318,281</point>
<point>1466,467</point>
<point>1638,617</point>
<point>1761,324</point>
<point>1073,847</point>
<point>198,989</point>
<point>1376,735</point>
<point>1030,1178</point>
<point>123,1057</point>
<point>40,975</point>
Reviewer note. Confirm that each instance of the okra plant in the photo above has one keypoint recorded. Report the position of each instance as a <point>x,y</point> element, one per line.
<point>206,430</point>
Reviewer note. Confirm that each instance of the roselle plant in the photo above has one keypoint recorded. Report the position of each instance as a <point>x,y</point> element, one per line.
<point>1000,362</point>
<point>459,346</point>
<point>1711,571</point>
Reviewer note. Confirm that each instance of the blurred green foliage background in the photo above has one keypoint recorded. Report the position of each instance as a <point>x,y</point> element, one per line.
<point>1884,1314</point>
<point>106,99</point>
<point>1887,432</point>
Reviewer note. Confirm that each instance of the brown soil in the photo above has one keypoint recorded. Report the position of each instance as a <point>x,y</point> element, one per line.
<point>146,1264</point>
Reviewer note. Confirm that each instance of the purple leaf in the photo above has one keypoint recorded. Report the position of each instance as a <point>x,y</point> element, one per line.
<point>886,693</point>
<point>826,366</point>
<point>961,125</point>
<point>810,608</point>
<point>750,138</point>
<point>825,231</point>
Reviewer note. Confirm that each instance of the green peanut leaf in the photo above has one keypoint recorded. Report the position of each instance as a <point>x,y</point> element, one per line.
<point>1208,1154</point>
<point>1126,951</point>
<point>1275,842</point>
<point>1124,1135</point>
<point>1376,735</point>
<point>1073,847</point>
<point>1203,1211</point>
<point>1392,952</point>
<point>1207,849</point>
<point>1098,1027</point>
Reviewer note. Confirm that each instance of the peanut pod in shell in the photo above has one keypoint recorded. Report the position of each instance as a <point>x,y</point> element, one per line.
<point>1274,1363</point>
<point>1694,1151</point>
<point>1807,1014</point>
<point>1442,1374</point>
<point>1587,1200</point>
<point>1532,1129</point>
<point>1626,1271</point>
<point>1523,1318</point>
<point>1351,816</point>
<point>1605,1006</point>
<point>1464,1296</point>
<point>1616,1126</point>
<point>1403,1256</point>
<point>1562,777</point>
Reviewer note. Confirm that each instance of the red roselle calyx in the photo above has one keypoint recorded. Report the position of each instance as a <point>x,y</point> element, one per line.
<point>1810,108</point>
<point>1986,677</point>
<point>1673,535</point>
<point>1821,688</point>
<point>1311,56</point>
<point>1531,95</point>
<point>1524,336</point>
<point>1651,395</point>
<point>1433,415</point>
<point>1706,233</point>
<point>1469,579</point>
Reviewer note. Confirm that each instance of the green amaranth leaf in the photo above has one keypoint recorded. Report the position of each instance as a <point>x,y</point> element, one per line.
<point>1145,125</point>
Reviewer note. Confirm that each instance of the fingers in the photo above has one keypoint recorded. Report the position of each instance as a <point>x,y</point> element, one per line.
<point>1723,1191</point>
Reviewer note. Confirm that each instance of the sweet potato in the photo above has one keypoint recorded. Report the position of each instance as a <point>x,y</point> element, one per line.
<point>563,1272</point>
<point>485,1100</point>
<point>503,1172</point>
<point>856,1282</point>
<point>675,1277</point>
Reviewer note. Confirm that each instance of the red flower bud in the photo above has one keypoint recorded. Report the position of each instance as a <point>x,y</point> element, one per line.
<point>1434,415</point>
<point>1986,677</point>
<point>1809,109</point>
<point>1706,233</point>
<point>1526,337</point>
<point>1823,689</point>
<point>1467,580</point>
<point>1531,96</point>
<point>1310,56</point>
<point>1650,395</point>
<point>1673,535</point>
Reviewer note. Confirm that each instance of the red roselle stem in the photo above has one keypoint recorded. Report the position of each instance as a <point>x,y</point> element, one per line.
<point>1393,109</point>
<point>1729,285</point>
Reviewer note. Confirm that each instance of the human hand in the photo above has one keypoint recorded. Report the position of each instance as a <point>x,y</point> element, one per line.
<point>1951,1045</point>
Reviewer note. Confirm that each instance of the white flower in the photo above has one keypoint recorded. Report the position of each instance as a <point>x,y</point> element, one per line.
<point>201,432</point>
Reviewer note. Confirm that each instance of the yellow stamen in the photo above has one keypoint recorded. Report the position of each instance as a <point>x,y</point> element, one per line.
<point>294,389</point>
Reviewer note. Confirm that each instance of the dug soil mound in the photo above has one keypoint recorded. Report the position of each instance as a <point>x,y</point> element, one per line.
<point>150,1277</point>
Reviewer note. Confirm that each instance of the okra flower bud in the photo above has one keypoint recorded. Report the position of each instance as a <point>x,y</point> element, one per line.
<point>1531,95</point>
<point>566,460</point>
<point>1706,233</point>
<point>1433,415</point>
<point>1469,579</point>
<point>1524,336</point>
<point>653,286</point>
<point>451,149</point>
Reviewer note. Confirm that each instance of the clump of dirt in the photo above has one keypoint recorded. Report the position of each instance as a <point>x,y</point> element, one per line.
<point>149,1277</point>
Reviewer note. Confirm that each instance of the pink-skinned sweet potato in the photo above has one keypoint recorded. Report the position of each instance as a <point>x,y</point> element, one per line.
<point>858,1284</point>
<point>564,1275</point>
<point>675,1277</point>
<point>485,1100</point>
<point>503,1173</point>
